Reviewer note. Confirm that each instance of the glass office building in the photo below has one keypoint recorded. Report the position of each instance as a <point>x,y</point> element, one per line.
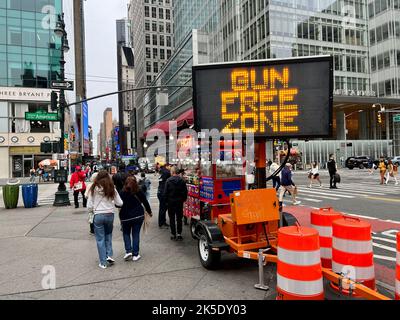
<point>29,60</point>
<point>365,53</point>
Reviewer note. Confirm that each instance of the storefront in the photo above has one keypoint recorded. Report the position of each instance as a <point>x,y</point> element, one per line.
<point>20,139</point>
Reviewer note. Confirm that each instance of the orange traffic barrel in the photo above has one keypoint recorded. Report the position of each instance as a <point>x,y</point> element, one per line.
<point>352,253</point>
<point>321,220</point>
<point>299,274</point>
<point>397,293</point>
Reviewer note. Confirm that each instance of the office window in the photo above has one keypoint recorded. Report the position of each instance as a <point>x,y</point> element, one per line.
<point>148,66</point>
<point>154,26</point>
<point>169,43</point>
<point>146,11</point>
<point>155,67</point>
<point>161,13</point>
<point>162,54</point>
<point>373,64</point>
<point>372,36</point>
<point>154,12</point>
<point>147,39</point>
<point>162,42</point>
<point>147,26</point>
<point>154,39</point>
<point>161,27</point>
<point>155,53</point>
<point>148,53</point>
<point>386,59</point>
<point>167,14</point>
<point>168,27</point>
<point>169,52</point>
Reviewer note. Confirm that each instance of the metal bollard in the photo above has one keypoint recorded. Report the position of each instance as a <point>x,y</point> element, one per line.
<point>261,285</point>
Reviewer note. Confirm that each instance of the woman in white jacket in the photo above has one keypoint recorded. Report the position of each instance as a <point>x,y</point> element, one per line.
<point>103,197</point>
<point>313,174</point>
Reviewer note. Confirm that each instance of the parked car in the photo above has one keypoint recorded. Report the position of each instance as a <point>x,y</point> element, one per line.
<point>357,162</point>
<point>396,160</point>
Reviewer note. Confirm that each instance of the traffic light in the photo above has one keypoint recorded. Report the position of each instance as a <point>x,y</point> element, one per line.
<point>379,118</point>
<point>66,144</point>
<point>54,101</point>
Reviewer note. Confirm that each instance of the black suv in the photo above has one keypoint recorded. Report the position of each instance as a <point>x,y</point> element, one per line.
<point>359,162</point>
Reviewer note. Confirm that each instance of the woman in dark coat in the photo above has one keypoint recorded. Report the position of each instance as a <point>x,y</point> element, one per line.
<point>132,217</point>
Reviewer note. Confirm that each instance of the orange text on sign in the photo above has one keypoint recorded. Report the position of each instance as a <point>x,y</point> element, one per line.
<point>260,106</point>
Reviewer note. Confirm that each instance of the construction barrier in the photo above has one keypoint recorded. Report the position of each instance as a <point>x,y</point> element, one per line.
<point>397,293</point>
<point>299,272</point>
<point>321,220</point>
<point>352,252</point>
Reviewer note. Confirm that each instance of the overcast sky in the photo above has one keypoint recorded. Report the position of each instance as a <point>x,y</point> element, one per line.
<point>101,54</point>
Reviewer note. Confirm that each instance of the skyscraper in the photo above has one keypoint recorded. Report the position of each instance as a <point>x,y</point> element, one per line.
<point>29,60</point>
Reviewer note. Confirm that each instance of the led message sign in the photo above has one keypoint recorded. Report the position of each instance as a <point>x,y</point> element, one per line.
<point>276,98</point>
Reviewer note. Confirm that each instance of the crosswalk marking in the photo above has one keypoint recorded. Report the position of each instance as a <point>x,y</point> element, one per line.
<point>326,194</point>
<point>386,240</point>
<point>309,199</point>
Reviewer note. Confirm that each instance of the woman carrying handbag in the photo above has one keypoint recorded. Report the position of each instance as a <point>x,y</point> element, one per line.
<point>132,216</point>
<point>103,197</point>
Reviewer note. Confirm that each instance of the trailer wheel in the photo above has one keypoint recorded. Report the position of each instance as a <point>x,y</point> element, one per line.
<point>209,259</point>
<point>193,224</point>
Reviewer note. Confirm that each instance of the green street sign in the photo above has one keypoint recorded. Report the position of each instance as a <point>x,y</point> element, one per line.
<point>41,116</point>
<point>396,118</point>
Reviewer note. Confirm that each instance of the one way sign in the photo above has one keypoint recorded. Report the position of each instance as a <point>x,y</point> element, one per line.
<point>62,85</point>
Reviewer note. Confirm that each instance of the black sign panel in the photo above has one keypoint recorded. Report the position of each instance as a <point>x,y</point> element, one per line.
<point>60,176</point>
<point>63,85</point>
<point>289,98</point>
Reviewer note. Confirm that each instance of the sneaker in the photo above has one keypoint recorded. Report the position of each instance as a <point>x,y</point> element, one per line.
<point>173,237</point>
<point>296,203</point>
<point>179,238</point>
<point>128,256</point>
<point>396,184</point>
<point>320,185</point>
<point>110,260</point>
<point>310,186</point>
<point>103,266</point>
<point>136,258</point>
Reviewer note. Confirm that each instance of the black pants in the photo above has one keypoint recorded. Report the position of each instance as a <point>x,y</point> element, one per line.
<point>276,182</point>
<point>162,212</point>
<point>175,212</point>
<point>76,194</point>
<point>332,182</point>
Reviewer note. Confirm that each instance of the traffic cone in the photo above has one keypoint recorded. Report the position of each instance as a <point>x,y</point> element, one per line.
<point>321,220</point>
<point>352,252</point>
<point>299,275</point>
<point>397,293</point>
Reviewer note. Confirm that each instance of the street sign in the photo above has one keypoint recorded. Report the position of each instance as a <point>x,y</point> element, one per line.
<point>62,85</point>
<point>396,118</point>
<point>41,116</point>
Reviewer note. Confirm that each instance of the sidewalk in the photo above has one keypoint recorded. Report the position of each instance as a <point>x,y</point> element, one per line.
<point>59,237</point>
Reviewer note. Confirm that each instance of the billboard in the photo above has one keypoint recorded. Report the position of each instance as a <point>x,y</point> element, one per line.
<point>85,127</point>
<point>289,98</point>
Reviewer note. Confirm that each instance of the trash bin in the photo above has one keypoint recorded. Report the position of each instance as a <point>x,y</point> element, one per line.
<point>11,194</point>
<point>30,195</point>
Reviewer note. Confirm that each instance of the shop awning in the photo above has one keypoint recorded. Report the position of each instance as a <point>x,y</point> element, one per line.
<point>187,117</point>
<point>163,125</point>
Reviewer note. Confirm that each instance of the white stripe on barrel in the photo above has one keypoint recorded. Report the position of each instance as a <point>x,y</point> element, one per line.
<point>361,273</point>
<point>326,253</point>
<point>301,288</point>
<point>352,246</point>
<point>323,231</point>
<point>299,258</point>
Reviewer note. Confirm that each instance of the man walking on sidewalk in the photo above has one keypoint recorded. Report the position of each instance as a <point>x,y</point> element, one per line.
<point>332,171</point>
<point>175,195</point>
<point>164,174</point>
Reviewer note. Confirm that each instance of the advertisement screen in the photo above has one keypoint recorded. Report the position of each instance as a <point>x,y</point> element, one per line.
<point>277,98</point>
<point>85,127</point>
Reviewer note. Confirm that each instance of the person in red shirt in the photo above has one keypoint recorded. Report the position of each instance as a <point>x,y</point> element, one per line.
<point>77,183</point>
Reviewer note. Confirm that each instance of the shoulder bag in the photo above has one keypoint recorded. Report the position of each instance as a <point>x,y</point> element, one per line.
<point>91,212</point>
<point>147,217</point>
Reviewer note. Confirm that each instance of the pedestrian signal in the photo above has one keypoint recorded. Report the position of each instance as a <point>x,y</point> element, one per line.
<point>66,145</point>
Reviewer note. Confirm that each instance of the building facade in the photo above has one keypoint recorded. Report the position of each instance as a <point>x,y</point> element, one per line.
<point>126,81</point>
<point>29,60</point>
<point>265,29</point>
<point>152,36</point>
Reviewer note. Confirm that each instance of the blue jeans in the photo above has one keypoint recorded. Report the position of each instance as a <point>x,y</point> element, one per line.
<point>103,227</point>
<point>132,228</point>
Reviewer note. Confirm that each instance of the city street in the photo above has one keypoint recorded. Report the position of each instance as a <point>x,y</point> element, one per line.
<point>47,236</point>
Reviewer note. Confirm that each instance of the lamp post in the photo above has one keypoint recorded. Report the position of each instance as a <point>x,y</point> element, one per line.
<point>62,195</point>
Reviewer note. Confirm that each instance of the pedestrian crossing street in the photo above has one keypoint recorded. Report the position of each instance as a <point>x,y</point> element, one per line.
<point>318,194</point>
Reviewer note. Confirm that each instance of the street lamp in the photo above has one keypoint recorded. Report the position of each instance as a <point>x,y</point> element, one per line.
<point>62,195</point>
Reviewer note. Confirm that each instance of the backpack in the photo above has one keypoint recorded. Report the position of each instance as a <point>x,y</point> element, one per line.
<point>142,185</point>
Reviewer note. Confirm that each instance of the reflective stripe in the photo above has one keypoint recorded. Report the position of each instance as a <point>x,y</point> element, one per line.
<point>299,258</point>
<point>323,231</point>
<point>326,253</point>
<point>398,258</point>
<point>362,273</point>
<point>352,246</point>
<point>397,286</point>
<point>301,288</point>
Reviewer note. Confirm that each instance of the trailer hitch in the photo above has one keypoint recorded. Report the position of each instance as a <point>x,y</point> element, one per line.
<point>261,263</point>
